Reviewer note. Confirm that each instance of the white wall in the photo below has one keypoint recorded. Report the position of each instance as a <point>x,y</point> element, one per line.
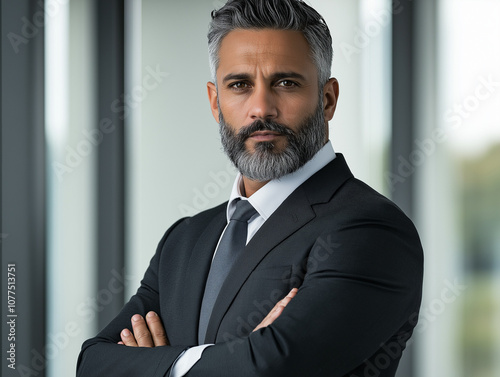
<point>177,143</point>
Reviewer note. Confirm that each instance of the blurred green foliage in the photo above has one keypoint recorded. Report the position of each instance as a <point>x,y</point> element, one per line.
<point>480,325</point>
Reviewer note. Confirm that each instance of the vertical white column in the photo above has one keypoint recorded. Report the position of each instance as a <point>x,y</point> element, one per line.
<point>436,209</point>
<point>70,170</point>
<point>361,126</point>
<point>56,119</point>
<point>133,145</point>
<point>346,128</point>
<point>375,87</point>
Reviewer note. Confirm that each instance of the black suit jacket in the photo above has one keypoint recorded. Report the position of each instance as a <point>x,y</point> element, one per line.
<point>355,257</point>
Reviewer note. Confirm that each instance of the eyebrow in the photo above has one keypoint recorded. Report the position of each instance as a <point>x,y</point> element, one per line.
<point>276,76</point>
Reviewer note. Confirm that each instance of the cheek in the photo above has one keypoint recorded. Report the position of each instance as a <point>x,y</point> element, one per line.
<point>294,109</point>
<point>233,111</point>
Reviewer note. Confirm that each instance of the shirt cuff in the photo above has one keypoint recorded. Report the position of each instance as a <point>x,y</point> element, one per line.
<point>187,359</point>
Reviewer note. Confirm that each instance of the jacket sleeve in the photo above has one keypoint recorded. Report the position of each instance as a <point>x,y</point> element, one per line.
<point>102,356</point>
<point>352,315</point>
<point>355,309</point>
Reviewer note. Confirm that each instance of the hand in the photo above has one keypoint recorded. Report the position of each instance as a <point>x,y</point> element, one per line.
<point>277,310</point>
<point>149,333</point>
<point>152,333</point>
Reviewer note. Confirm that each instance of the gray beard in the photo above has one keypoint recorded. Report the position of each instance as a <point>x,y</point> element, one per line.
<point>267,163</point>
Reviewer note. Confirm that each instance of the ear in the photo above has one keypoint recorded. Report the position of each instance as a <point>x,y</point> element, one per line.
<point>330,98</point>
<point>212,98</point>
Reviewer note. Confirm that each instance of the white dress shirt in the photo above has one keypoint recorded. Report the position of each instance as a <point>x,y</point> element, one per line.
<point>266,200</point>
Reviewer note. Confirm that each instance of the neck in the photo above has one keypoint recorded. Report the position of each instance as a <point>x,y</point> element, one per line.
<point>250,187</point>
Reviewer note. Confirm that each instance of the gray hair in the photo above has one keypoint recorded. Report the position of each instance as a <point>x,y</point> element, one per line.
<point>273,14</point>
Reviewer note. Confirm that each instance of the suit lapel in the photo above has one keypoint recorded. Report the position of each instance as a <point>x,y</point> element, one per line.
<point>285,220</point>
<point>295,212</point>
<point>196,275</point>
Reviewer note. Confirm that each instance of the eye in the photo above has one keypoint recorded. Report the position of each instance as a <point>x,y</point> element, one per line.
<point>287,84</point>
<point>240,85</point>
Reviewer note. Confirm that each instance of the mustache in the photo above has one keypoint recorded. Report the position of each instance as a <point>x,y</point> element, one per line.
<point>261,125</point>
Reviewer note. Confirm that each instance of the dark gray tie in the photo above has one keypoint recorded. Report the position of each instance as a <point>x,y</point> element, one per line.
<point>230,247</point>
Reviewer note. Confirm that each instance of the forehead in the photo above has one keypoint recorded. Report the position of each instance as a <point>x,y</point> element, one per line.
<point>266,50</point>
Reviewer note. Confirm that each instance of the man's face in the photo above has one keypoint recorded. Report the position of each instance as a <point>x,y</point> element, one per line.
<point>268,101</point>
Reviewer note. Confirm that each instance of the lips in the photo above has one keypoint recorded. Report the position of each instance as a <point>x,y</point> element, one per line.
<point>265,135</point>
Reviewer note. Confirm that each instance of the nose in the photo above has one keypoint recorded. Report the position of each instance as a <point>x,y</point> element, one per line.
<point>263,104</point>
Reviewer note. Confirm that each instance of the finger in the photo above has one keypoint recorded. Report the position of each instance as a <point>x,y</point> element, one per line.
<point>277,310</point>
<point>284,302</point>
<point>128,338</point>
<point>141,332</point>
<point>271,316</point>
<point>156,329</point>
<point>121,343</point>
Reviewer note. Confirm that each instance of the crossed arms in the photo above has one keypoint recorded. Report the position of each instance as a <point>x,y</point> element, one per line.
<point>350,306</point>
<point>150,332</point>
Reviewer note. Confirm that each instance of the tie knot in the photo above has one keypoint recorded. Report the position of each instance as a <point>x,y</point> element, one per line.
<point>244,211</point>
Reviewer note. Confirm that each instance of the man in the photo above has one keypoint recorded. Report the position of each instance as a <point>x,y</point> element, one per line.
<point>346,260</point>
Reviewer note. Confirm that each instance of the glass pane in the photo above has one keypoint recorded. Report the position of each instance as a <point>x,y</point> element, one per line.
<point>470,61</point>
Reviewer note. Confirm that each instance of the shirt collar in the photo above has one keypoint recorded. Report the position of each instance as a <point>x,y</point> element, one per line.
<point>269,198</point>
